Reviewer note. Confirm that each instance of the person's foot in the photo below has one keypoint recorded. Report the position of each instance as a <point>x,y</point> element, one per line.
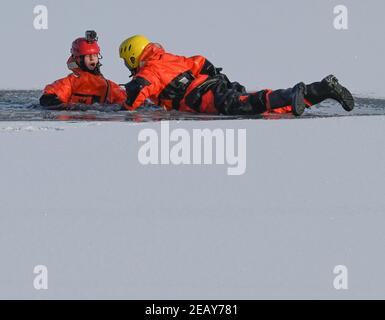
<point>298,99</point>
<point>339,93</point>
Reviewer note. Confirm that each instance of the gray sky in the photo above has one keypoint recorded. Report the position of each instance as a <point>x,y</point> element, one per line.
<point>260,43</point>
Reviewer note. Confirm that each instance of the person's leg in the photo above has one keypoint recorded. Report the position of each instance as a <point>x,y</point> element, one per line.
<point>234,103</point>
<point>294,97</point>
<point>298,98</point>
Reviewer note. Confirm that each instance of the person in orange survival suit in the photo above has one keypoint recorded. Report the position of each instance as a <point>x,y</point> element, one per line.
<point>86,85</point>
<point>195,85</point>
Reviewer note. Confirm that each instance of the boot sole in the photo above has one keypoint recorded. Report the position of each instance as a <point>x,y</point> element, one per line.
<point>298,103</point>
<point>342,94</point>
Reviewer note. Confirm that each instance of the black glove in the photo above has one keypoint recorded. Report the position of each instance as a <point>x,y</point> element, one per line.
<point>48,100</point>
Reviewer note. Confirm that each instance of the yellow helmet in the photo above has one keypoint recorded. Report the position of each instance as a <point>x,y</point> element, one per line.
<point>131,49</point>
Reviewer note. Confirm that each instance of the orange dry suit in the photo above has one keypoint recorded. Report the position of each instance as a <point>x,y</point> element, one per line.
<point>82,87</point>
<point>195,85</point>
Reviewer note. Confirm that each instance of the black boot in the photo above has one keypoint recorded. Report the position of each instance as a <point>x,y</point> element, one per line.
<point>294,96</point>
<point>330,88</point>
<point>228,101</point>
<point>298,101</point>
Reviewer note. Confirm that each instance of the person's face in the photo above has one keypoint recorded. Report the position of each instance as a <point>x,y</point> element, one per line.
<point>91,61</point>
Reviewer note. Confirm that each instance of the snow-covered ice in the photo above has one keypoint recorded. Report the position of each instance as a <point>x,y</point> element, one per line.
<point>75,198</point>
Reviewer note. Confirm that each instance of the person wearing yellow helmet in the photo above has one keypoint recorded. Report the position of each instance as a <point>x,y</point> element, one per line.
<point>194,84</point>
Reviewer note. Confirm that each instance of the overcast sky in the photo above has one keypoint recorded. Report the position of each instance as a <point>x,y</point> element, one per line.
<point>260,43</point>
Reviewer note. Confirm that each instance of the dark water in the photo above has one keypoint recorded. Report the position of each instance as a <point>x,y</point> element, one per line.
<point>24,106</point>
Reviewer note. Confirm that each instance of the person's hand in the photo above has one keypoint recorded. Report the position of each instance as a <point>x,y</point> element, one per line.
<point>48,100</point>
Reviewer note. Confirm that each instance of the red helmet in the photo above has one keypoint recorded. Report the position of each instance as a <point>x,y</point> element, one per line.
<point>82,47</point>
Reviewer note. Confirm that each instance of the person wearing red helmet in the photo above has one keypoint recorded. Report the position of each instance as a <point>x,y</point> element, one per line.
<point>86,84</point>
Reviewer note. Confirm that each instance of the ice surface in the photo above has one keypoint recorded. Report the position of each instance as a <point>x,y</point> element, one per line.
<point>24,106</point>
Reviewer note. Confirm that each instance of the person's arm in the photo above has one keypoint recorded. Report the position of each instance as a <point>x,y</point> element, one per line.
<point>202,66</point>
<point>117,94</point>
<point>49,100</point>
<point>145,85</point>
<point>57,93</point>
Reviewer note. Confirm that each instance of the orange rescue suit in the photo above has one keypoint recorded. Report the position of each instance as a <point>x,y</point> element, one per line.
<point>82,87</point>
<point>192,85</point>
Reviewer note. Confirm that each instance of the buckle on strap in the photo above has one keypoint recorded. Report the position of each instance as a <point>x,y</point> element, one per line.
<point>177,88</point>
